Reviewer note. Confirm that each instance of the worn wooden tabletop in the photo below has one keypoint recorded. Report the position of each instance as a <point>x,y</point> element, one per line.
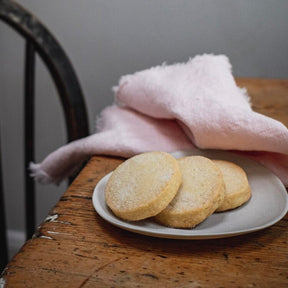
<point>74,247</point>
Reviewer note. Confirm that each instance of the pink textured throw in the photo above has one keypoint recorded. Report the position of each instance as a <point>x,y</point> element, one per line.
<point>177,107</point>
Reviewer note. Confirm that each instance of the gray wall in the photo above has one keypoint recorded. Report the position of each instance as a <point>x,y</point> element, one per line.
<point>108,38</point>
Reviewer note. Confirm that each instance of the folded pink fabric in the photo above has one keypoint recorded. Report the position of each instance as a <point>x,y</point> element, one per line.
<point>177,107</point>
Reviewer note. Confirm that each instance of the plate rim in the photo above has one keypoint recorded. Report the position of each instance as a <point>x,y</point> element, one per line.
<point>129,226</point>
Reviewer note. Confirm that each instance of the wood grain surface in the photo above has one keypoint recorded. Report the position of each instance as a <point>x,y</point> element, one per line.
<point>74,247</point>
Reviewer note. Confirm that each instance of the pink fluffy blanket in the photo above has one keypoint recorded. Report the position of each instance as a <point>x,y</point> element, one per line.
<point>176,107</point>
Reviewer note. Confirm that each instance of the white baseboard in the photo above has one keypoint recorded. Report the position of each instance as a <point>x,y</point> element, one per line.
<point>15,239</point>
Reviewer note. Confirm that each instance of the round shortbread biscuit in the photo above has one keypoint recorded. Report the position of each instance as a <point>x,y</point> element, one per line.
<point>200,194</point>
<point>237,188</point>
<point>143,185</point>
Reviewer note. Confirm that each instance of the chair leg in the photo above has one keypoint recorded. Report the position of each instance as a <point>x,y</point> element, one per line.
<point>3,237</point>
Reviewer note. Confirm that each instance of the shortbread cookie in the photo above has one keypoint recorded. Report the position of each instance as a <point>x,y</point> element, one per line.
<point>200,194</point>
<point>143,185</point>
<point>237,188</point>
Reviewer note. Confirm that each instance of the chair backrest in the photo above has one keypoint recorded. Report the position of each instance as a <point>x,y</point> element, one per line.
<point>40,40</point>
<point>3,240</point>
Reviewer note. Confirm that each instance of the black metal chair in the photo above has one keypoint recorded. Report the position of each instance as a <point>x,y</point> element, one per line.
<point>3,243</point>
<point>39,40</point>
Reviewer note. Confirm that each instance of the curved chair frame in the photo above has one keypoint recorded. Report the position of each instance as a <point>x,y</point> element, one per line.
<point>40,40</point>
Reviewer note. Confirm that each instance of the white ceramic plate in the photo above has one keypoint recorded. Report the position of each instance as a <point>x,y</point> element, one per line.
<point>268,204</point>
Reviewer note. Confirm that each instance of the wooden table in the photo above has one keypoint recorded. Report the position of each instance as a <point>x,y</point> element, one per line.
<point>74,247</point>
